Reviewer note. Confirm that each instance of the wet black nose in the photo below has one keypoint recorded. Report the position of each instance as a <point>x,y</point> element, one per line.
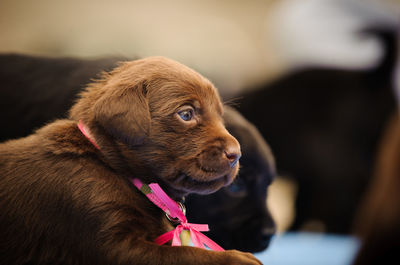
<point>233,154</point>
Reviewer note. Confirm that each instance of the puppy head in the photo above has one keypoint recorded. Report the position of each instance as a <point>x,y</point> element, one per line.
<point>165,121</point>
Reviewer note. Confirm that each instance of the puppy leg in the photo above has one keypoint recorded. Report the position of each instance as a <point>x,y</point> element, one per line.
<point>144,252</point>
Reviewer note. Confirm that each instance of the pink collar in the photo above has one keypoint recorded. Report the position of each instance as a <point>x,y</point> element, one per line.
<point>172,209</point>
<point>85,130</point>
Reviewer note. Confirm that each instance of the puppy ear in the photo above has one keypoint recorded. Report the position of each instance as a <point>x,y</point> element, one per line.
<point>124,113</point>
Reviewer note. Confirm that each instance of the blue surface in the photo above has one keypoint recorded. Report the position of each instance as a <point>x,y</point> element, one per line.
<point>310,249</point>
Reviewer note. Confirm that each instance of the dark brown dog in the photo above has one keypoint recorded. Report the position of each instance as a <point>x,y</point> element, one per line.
<point>63,201</point>
<point>36,90</point>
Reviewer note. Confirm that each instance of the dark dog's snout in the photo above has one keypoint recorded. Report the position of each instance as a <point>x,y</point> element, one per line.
<point>266,236</point>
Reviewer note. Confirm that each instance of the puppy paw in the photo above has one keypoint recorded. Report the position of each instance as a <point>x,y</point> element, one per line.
<point>234,257</point>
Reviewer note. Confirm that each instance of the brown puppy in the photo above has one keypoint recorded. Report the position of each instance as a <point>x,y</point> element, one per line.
<point>52,86</point>
<point>62,201</point>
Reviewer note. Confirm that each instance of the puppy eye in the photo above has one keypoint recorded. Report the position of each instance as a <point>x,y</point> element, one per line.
<point>186,114</point>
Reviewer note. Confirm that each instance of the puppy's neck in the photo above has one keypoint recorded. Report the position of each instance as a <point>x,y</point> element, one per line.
<point>175,194</point>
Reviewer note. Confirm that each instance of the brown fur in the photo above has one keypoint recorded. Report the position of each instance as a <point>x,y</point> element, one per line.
<point>62,201</point>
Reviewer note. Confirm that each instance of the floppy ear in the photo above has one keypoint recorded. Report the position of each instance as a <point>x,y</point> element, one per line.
<point>124,113</point>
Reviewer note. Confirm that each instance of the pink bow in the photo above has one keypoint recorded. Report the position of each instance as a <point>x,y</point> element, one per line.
<point>198,239</point>
<point>162,200</point>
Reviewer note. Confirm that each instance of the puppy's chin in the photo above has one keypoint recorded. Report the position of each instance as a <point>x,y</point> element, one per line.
<point>201,184</point>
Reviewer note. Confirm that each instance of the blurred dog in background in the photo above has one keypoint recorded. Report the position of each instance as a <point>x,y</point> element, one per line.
<point>324,125</point>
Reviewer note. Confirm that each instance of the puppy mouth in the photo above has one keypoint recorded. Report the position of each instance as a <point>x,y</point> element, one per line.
<point>192,184</point>
<point>192,181</point>
<point>193,177</point>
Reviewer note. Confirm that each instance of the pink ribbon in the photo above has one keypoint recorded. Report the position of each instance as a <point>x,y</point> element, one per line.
<point>198,239</point>
<point>169,206</point>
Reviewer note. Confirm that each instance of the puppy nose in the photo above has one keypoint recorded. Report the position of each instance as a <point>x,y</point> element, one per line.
<point>232,153</point>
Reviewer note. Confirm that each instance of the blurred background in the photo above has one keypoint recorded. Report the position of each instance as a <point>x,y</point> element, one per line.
<point>232,42</point>
<point>292,58</point>
<point>225,40</point>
